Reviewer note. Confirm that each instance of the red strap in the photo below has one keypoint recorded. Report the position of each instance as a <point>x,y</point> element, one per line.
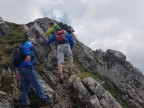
<point>60,32</point>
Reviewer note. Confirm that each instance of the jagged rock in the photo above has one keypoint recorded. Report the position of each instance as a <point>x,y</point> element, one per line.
<point>108,101</point>
<point>113,65</point>
<point>94,95</point>
<point>99,54</point>
<point>15,91</point>
<point>43,23</point>
<point>48,90</point>
<point>4,29</point>
<point>4,103</point>
<point>2,94</point>
<point>114,56</point>
<point>94,87</point>
<point>26,28</point>
<point>101,93</point>
<point>85,56</point>
<point>83,92</point>
<point>34,30</point>
<point>94,102</point>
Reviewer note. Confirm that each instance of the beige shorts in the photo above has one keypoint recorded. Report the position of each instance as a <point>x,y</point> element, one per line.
<point>64,50</point>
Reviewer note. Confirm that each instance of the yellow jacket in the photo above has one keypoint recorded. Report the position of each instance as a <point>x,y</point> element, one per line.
<point>52,30</point>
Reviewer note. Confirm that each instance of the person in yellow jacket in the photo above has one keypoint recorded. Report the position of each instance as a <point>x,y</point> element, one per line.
<point>53,29</point>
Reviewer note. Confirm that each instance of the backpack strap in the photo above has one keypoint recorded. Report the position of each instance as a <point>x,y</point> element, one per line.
<point>61,32</point>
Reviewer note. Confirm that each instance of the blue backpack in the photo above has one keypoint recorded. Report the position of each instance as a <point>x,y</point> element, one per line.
<point>17,56</point>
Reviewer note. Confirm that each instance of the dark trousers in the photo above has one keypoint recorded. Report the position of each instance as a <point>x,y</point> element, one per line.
<point>29,77</point>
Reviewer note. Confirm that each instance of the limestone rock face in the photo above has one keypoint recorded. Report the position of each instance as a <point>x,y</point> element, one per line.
<point>4,103</point>
<point>4,29</point>
<point>42,22</point>
<point>94,95</point>
<point>113,65</point>
<point>75,92</point>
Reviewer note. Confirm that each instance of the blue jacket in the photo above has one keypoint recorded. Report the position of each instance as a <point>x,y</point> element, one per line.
<point>69,38</point>
<point>28,49</point>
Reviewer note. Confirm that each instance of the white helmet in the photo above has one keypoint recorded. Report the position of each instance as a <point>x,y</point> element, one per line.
<point>32,40</point>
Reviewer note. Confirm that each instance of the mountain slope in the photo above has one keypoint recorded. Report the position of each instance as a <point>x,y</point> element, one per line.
<point>100,79</point>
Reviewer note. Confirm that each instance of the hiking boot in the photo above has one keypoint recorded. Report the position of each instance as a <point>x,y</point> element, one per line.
<point>61,81</point>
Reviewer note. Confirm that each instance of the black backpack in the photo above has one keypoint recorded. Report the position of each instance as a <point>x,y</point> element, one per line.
<point>17,56</point>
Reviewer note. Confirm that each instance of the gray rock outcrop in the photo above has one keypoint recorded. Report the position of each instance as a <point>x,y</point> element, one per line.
<point>113,66</point>
<point>93,94</point>
<point>88,93</point>
<point>4,29</point>
<point>4,102</point>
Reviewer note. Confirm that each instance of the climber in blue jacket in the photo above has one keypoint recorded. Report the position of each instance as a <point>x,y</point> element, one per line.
<point>70,40</point>
<point>29,75</point>
<point>64,46</point>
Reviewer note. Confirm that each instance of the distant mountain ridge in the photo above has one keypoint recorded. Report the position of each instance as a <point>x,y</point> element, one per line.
<point>100,80</point>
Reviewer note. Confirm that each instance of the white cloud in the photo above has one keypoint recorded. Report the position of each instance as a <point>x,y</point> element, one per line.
<point>20,11</point>
<point>58,14</point>
<point>98,23</point>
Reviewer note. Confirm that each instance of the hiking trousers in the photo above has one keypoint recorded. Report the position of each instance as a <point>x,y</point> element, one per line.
<point>29,77</point>
<point>62,50</point>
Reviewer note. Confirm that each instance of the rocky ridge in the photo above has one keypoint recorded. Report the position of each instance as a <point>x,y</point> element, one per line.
<point>76,92</point>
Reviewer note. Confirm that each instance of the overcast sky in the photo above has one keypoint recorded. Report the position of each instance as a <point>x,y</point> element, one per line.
<point>99,24</point>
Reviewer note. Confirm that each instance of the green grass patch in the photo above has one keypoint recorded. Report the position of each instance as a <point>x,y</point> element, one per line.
<point>84,73</point>
<point>8,49</point>
<point>79,65</point>
<point>1,54</point>
<point>9,42</point>
<point>5,61</point>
